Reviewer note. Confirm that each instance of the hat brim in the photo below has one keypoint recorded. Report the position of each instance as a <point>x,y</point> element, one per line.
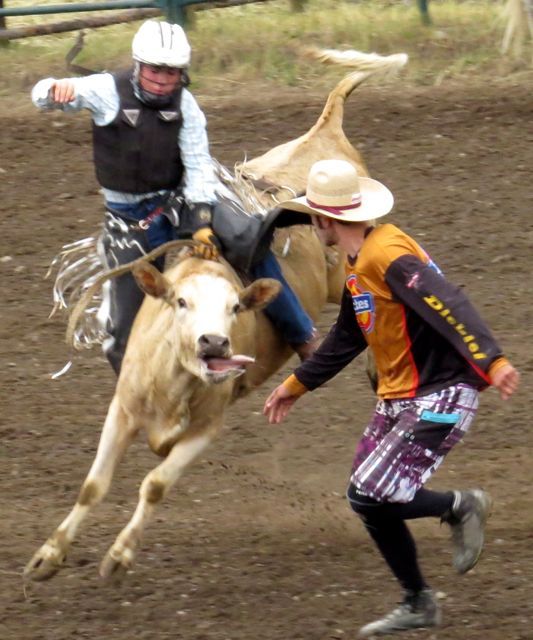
<point>376,201</point>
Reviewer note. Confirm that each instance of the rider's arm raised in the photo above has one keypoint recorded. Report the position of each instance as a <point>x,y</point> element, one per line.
<point>97,93</point>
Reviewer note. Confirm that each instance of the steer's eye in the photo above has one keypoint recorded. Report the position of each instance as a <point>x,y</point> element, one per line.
<point>237,308</point>
<point>181,303</point>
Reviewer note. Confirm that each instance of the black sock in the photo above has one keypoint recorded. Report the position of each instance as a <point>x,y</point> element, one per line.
<point>385,523</point>
<point>398,548</point>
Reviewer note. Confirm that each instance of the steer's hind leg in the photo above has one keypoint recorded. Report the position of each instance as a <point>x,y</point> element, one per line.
<point>154,487</point>
<point>117,434</point>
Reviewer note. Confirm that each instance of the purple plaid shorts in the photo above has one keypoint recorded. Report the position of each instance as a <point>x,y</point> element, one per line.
<point>407,440</point>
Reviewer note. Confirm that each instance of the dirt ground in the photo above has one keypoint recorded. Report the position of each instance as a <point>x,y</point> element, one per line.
<point>258,541</point>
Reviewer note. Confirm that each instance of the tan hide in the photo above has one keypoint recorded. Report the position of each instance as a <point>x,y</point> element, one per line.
<point>159,391</point>
<point>287,165</point>
<point>163,388</point>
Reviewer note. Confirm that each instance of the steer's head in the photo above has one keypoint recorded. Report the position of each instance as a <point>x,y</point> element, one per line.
<point>206,301</point>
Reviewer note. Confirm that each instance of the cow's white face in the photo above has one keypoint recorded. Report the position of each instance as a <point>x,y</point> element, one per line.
<point>205,305</point>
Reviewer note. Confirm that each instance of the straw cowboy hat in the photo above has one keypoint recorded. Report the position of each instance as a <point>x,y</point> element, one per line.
<point>336,191</point>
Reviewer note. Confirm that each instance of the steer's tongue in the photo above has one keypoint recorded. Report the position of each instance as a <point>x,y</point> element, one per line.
<point>223,364</point>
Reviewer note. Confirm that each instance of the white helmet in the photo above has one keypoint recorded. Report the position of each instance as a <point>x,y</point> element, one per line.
<point>161,44</point>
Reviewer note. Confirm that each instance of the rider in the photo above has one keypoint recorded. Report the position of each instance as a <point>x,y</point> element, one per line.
<point>150,140</point>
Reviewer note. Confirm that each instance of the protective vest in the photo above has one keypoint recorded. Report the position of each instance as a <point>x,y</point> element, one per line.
<point>138,152</point>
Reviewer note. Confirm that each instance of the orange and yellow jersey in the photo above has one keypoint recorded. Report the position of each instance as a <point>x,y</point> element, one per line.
<point>423,331</point>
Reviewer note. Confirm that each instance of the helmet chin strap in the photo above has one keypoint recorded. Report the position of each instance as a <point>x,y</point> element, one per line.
<point>153,99</point>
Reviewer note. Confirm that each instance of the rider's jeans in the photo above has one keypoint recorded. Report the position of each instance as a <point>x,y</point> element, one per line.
<point>285,312</point>
<point>160,230</point>
<point>122,297</point>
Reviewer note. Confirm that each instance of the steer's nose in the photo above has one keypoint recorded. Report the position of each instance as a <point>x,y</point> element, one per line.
<point>212,346</point>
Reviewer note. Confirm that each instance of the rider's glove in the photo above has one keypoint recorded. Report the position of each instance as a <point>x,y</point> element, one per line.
<point>209,247</point>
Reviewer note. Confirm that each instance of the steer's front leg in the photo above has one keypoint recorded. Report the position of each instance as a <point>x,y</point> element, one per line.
<point>154,487</point>
<point>117,433</point>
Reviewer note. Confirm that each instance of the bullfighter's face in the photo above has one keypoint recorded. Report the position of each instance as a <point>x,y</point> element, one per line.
<point>325,230</point>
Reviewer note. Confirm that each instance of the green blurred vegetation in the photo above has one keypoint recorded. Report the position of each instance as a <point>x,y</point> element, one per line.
<point>263,41</point>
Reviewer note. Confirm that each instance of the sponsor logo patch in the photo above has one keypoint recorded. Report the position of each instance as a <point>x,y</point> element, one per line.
<point>363,304</point>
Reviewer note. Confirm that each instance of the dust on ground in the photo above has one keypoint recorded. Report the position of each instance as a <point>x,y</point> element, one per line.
<point>257,540</point>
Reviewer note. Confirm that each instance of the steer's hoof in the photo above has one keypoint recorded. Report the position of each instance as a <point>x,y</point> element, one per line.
<point>41,567</point>
<point>113,567</point>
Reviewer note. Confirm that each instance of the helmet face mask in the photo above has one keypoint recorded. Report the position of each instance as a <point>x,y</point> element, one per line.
<point>159,80</point>
<point>156,47</point>
<point>156,90</point>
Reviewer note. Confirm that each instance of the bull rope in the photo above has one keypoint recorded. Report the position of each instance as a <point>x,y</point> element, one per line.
<point>96,285</point>
<point>81,271</point>
<point>79,265</point>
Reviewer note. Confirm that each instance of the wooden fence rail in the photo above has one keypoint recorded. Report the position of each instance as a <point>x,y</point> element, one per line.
<point>175,10</point>
<point>77,23</point>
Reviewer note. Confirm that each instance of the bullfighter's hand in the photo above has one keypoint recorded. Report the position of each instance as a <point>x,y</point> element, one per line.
<point>506,380</point>
<point>278,404</point>
<point>62,91</point>
<point>207,249</point>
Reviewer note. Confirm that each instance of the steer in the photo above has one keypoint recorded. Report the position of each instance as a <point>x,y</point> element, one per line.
<point>191,339</point>
<point>199,341</point>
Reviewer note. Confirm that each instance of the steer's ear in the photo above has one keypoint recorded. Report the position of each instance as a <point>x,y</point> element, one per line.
<point>153,282</point>
<point>259,293</point>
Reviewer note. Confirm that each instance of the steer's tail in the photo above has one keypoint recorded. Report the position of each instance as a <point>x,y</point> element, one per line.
<point>358,59</point>
<point>364,65</point>
<point>288,164</point>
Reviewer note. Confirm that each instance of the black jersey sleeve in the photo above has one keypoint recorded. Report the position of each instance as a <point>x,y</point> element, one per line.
<point>445,307</point>
<point>342,344</point>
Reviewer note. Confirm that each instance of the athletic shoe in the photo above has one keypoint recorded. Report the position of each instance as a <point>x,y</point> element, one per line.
<point>418,611</point>
<point>467,519</point>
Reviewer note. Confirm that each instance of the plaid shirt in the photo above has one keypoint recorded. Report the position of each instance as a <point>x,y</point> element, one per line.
<point>98,94</point>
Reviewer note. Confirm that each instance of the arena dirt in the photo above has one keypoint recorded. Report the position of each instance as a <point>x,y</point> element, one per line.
<point>257,541</point>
